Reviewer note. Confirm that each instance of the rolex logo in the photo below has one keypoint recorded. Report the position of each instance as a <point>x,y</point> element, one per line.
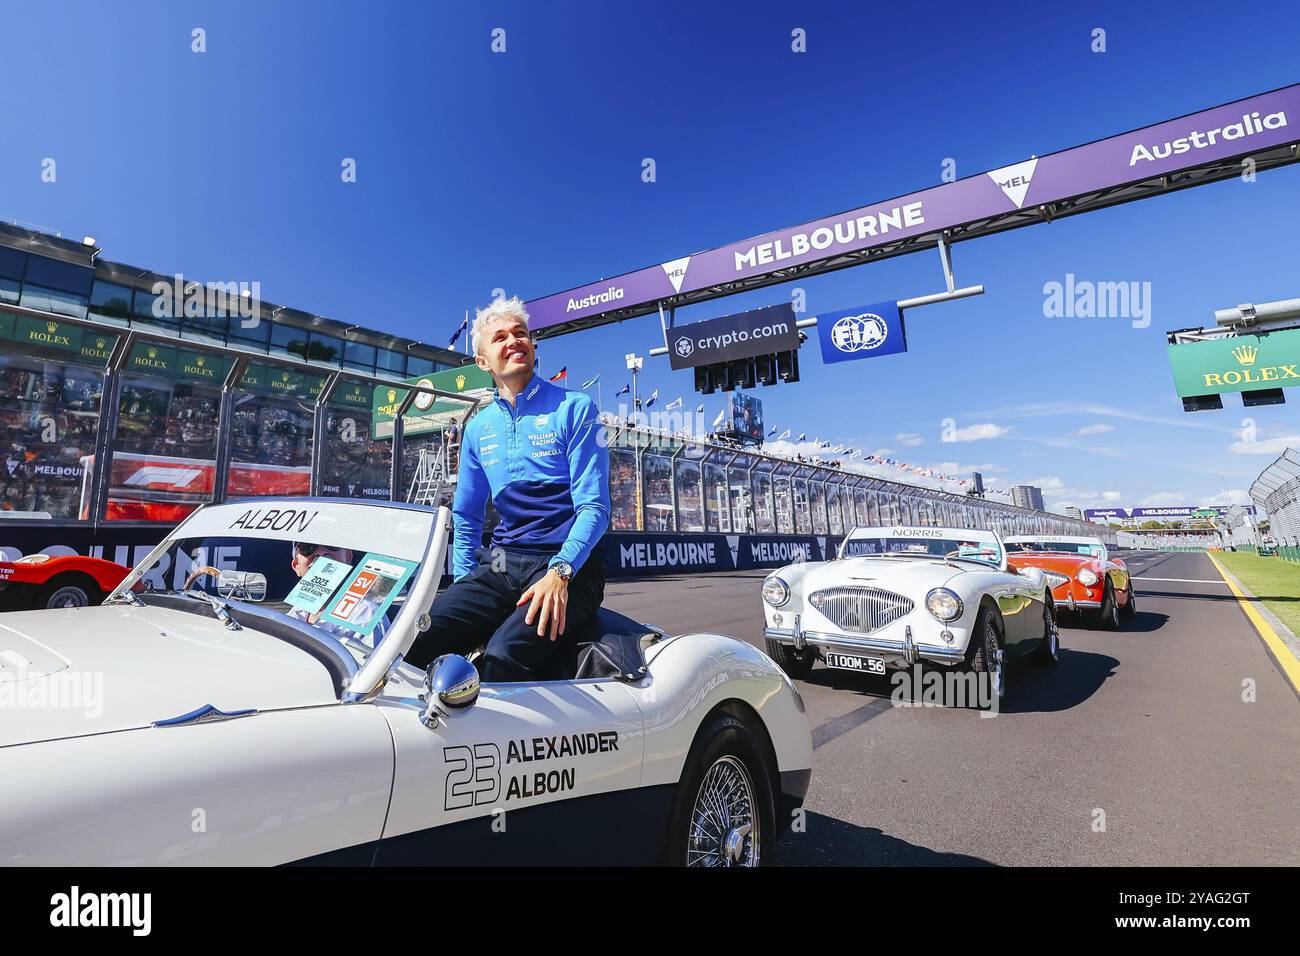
<point>51,327</point>
<point>99,343</point>
<point>153,353</point>
<point>392,395</point>
<point>460,382</point>
<point>199,361</point>
<point>1245,354</point>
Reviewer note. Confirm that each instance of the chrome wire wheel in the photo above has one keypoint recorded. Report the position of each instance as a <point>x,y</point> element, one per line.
<point>1053,635</point>
<point>725,828</point>
<point>996,665</point>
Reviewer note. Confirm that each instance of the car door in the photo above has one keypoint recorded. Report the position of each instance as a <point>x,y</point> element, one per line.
<point>548,772</point>
<point>270,788</point>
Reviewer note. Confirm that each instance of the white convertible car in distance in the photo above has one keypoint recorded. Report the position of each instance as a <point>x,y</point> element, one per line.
<point>219,708</point>
<point>899,595</point>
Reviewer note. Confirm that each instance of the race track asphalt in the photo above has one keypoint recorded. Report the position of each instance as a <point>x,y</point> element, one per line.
<point>1146,725</point>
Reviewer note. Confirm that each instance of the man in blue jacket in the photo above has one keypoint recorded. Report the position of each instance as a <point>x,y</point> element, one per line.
<point>537,453</point>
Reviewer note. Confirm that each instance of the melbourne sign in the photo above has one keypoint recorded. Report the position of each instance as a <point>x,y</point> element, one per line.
<point>862,333</point>
<point>1238,364</point>
<point>743,335</point>
<point>1227,132</point>
<point>628,553</point>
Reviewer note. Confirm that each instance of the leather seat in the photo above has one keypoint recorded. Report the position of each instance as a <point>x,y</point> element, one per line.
<point>611,645</point>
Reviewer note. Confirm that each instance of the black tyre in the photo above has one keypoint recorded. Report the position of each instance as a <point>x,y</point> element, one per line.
<point>1108,616</point>
<point>724,808</point>
<point>986,652</point>
<point>798,664</point>
<point>1049,651</point>
<point>1130,609</point>
<point>68,590</point>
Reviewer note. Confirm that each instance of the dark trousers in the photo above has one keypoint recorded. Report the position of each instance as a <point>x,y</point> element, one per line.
<point>479,610</point>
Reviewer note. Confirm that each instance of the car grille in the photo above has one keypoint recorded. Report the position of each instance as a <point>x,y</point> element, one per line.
<point>1055,579</point>
<point>860,609</point>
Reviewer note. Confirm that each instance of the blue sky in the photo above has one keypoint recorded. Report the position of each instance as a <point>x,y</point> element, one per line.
<point>522,170</point>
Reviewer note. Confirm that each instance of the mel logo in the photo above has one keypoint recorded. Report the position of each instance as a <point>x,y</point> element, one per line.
<point>676,272</point>
<point>1015,180</point>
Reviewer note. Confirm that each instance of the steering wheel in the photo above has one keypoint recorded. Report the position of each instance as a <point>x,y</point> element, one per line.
<point>198,573</point>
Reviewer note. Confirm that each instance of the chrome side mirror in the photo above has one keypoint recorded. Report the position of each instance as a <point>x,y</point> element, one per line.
<point>450,683</point>
<point>242,586</point>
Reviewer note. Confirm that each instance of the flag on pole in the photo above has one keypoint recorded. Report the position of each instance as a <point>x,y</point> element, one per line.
<point>459,329</point>
<point>772,432</point>
<point>802,436</point>
<point>622,391</point>
<point>654,396</point>
<point>560,376</point>
<point>722,416</point>
<point>784,435</point>
<point>590,382</point>
<point>675,403</point>
<point>700,409</point>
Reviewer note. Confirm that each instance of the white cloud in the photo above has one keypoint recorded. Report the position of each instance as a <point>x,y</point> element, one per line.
<point>949,467</point>
<point>979,432</point>
<point>1111,496</point>
<point>909,439</point>
<point>1267,446</point>
<point>1233,496</point>
<point>1098,429</point>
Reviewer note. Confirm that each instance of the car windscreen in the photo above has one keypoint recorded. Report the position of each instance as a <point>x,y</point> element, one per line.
<point>348,594</point>
<point>1061,547</point>
<point>975,549</point>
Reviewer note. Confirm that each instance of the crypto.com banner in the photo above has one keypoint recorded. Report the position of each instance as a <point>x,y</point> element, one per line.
<point>743,335</point>
<point>1223,132</point>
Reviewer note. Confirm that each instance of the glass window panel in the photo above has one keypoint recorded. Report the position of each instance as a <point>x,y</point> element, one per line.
<point>358,355</point>
<point>324,349</point>
<point>783,503</point>
<point>742,515</point>
<point>354,463</point>
<point>834,510</point>
<point>390,362</point>
<point>286,340</point>
<point>623,497</point>
<point>13,263</point>
<point>717,504</point>
<point>657,492</point>
<point>271,439</point>
<point>164,457</point>
<point>61,276</point>
<point>54,300</point>
<point>46,471</point>
<point>690,496</point>
<point>415,365</point>
<point>9,289</point>
<point>817,502</point>
<point>802,523</point>
<point>111,303</point>
<point>435,448</point>
<point>764,514</point>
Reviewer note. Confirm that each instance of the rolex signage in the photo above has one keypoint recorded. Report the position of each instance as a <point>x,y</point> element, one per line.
<point>1238,364</point>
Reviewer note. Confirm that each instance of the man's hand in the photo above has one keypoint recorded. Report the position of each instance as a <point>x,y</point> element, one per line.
<point>550,597</point>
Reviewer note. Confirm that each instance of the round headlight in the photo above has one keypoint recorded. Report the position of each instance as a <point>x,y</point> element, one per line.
<point>775,591</point>
<point>1087,577</point>
<point>943,605</point>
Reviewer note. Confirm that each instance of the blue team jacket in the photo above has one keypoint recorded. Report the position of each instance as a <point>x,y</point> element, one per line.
<point>547,470</point>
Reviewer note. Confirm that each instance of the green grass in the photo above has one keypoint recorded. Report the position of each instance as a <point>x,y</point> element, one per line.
<point>1272,580</point>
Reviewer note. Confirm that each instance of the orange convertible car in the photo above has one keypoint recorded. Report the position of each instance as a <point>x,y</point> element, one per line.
<point>1083,575</point>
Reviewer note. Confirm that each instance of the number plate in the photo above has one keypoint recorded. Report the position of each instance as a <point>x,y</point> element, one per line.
<point>851,662</point>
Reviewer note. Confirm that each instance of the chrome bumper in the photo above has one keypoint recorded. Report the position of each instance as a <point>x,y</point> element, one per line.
<point>906,651</point>
<point>1073,605</point>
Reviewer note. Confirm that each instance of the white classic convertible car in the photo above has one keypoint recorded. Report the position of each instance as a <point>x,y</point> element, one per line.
<point>896,596</point>
<point>241,698</point>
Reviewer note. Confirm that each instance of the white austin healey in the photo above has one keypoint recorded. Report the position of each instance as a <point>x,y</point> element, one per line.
<point>241,698</point>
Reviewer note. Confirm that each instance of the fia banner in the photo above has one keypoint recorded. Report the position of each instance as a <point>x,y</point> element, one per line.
<point>862,333</point>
